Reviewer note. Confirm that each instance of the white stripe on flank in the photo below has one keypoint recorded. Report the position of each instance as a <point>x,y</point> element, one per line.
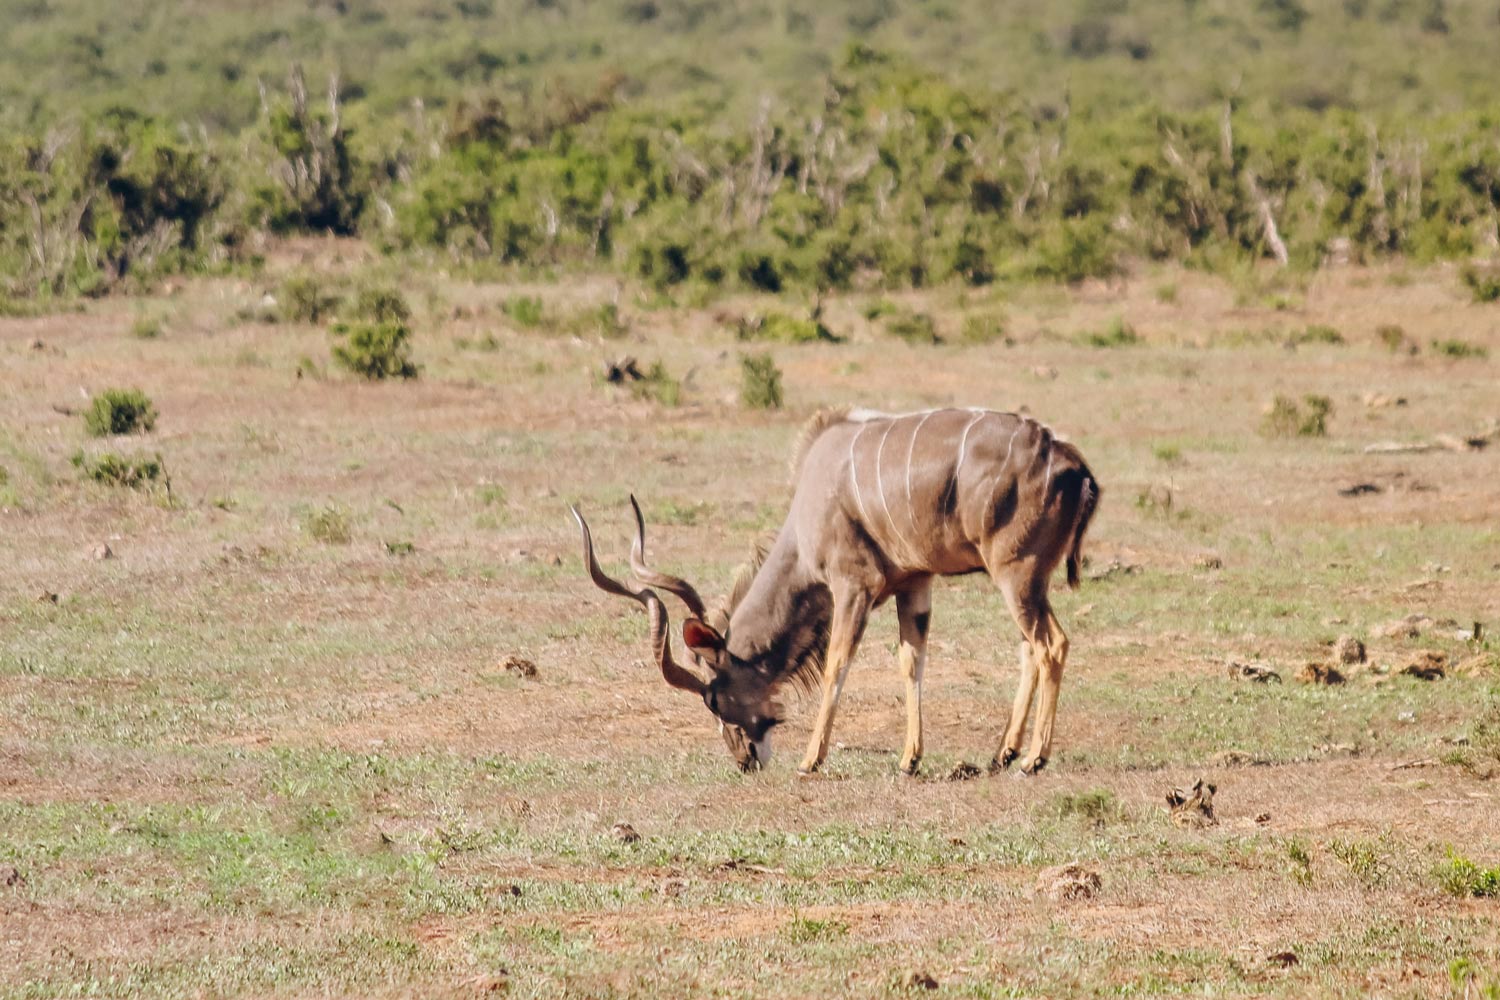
<point>911,510</point>
<point>963,444</point>
<point>854,478</point>
<point>880,483</point>
<point>1011,444</point>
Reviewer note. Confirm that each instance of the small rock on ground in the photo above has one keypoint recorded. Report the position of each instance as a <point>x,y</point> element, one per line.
<point>1071,881</point>
<point>913,979</point>
<point>103,551</point>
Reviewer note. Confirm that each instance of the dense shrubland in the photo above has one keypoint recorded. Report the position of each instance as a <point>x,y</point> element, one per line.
<point>883,174</point>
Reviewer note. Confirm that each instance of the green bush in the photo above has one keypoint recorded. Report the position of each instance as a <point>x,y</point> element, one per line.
<point>375,350</point>
<point>760,382</point>
<point>379,304</point>
<point>305,298</point>
<point>912,327</point>
<point>1461,877</point>
<point>1392,336</point>
<point>783,329</point>
<point>136,472</point>
<point>330,525</point>
<point>524,310</point>
<point>119,411</point>
<point>1460,349</point>
<point>1483,281</point>
<point>1118,334</point>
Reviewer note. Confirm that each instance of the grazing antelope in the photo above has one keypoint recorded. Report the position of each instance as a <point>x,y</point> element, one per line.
<point>881,505</point>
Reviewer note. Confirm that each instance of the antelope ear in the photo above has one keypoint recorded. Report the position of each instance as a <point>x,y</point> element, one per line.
<point>702,639</point>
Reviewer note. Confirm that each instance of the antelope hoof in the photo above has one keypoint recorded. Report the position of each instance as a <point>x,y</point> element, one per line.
<point>910,767</point>
<point>807,771</point>
<point>1004,761</point>
<point>1034,768</point>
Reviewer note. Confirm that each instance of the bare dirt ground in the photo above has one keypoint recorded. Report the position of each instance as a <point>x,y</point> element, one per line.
<point>269,746</point>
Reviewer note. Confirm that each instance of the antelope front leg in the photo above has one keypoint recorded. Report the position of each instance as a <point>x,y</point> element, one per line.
<point>849,614</point>
<point>1010,746</point>
<point>914,611</point>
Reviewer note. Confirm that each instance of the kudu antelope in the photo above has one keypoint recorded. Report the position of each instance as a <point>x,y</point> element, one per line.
<point>881,505</point>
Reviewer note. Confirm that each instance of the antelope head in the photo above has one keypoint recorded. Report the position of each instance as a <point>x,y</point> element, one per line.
<point>738,696</point>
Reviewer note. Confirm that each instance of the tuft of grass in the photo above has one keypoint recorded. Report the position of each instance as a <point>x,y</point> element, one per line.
<point>982,328</point>
<point>146,328</point>
<point>1483,281</point>
<point>1460,349</point>
<point>1316,333</point>
<point>1393,337</point>
<point>1300,861</point>
<point>1168,454</point>
<point>760,382</point>
<point>658,385</point>
<point>119,411</point>
<point>1458,876</point>
<point>379,304</point>
<point>1286,418</point>
<point>135,472</point>
<point>1118,334</point>
<point>329,524</point>
<point>1096,807</point>
<point>524,310</point>
<point>491,495</point>
<point>1363,859</point>
<point>912,327</point>
<point>805,930</point>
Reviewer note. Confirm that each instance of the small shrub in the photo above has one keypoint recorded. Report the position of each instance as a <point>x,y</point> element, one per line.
<point>1166,294</point>
<point>1317,333</point>
<point>1300,860</point>
<point>1483,281</point>
<point>1460,349</point>
<point>109,469</point>
<point>657,384</point>
<point>375,350</point>
<point>982,328</point>
<point>606,321</point>
<point>1461,877</point>
<point>491,495</point>
<point>1363,860</point>
<point>1393,337</point>
<point>879,309</point>
<point>1286,419</point>
<point>912,327</point>
<point>760,382</point>
<point>524,310</point>
<point>304,299</point>
<point>783,329</point>
<point>380,304</point>
<point>329,525</point>
<point>1118,334</point>
<point>146,328</point>
<point>1169,454</point>
<point>119,411</point>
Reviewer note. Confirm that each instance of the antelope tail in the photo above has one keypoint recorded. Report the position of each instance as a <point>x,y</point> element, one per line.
<point>1088,501</point>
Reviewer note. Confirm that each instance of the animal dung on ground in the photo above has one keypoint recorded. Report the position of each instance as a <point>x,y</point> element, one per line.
<point>519,665</point>
<point>624,833</point>
<point>1428,665</point>
<point>1349,649</point>
<point>1319,673</point>
<point>1069,882</point>
<point>1251,672</point>
<point>11,876</point>
<point>913,979</point>
<point>622,370</point>
<point>1192,807</point>
<point>963,771</point>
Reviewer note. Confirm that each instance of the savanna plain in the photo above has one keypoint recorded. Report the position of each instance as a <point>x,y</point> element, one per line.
<point>266,727</point>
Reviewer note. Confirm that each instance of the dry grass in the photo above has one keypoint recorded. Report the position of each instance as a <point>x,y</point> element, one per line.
<point>239,761</point>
